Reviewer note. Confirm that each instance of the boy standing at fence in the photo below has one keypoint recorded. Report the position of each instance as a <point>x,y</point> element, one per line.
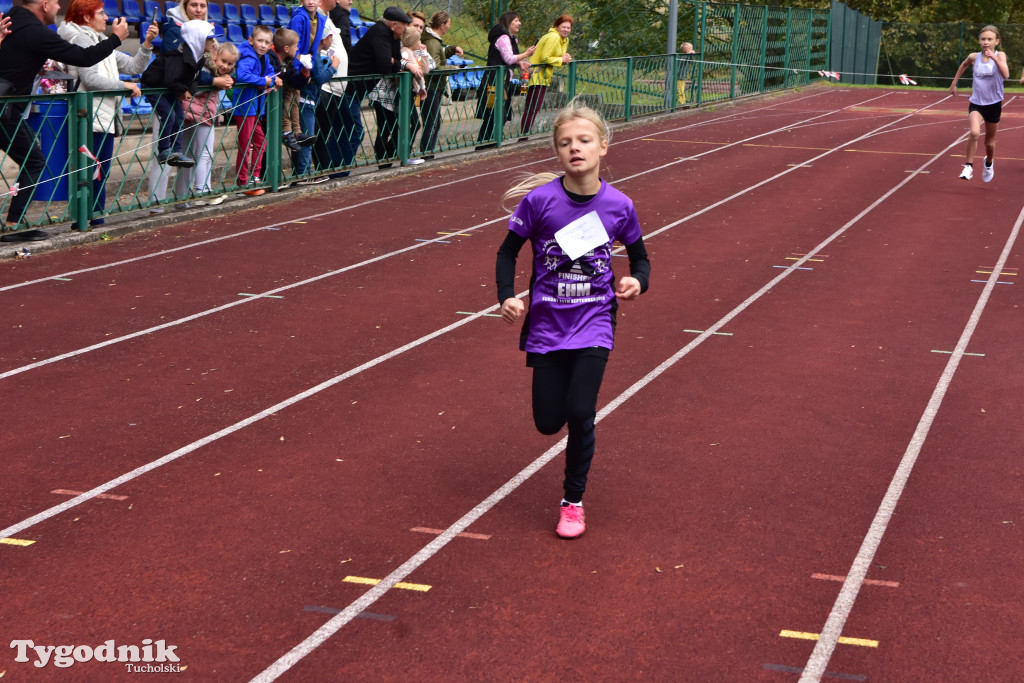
<point>324,62</point>
<point>295,75</point>
<point>255,76</point>
<point>309,23</point>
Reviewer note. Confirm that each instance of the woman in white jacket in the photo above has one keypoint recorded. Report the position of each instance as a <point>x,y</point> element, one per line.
<point>83,25</point>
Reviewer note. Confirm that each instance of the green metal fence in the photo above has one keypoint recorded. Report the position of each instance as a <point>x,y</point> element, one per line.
<point>931,53</point>
<point>743,50</point>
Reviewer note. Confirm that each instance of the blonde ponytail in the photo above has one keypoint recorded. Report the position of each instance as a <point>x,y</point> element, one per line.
<point>524,187</point>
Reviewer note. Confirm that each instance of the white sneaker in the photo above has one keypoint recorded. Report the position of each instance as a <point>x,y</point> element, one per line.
<point>967,173</point>
<point>413,162</point>
<point>217,200</point>
<point>988,171</point>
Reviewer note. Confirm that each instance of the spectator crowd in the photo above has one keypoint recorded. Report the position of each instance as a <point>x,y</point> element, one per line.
<point>324,79</point>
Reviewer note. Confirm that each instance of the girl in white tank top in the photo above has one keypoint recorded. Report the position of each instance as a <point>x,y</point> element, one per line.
<point>986,102</point>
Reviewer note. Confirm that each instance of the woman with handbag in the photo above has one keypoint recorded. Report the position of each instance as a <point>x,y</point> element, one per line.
<point>83,25</point>
<point>503,50</point>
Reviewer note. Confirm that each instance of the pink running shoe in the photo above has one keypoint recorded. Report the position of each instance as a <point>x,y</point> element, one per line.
<point>571,522</point>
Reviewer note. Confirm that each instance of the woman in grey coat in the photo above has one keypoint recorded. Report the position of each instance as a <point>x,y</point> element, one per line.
<point>83,25</point>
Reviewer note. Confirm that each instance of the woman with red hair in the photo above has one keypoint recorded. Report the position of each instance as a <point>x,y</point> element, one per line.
<point>551,54</point>
<point>83,25</point>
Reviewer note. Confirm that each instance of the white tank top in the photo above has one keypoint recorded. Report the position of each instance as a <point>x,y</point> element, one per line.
<point>988,82</point>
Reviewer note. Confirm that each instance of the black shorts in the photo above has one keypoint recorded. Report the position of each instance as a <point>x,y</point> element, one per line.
<point>990,113</point>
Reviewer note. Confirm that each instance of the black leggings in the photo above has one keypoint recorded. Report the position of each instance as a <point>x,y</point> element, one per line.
<point>565,386</point>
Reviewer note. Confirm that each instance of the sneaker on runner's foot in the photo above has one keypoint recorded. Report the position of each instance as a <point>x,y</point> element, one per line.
<point>571,522</point>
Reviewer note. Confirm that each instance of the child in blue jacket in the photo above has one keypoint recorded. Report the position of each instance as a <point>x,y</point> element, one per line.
<point>254,77</point>
<point>309,23</point>
<point>322,72</point>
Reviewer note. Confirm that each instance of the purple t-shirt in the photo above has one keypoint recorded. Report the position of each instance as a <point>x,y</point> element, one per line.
<point>571,301</point>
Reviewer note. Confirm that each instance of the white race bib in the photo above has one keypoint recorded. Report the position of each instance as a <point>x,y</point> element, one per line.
<point>582,235</point>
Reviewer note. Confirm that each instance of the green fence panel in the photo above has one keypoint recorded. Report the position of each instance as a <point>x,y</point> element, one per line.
<point>742,50</point>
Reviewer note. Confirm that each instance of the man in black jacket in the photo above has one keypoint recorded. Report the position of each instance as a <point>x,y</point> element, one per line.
<point>22,55</point>
<point>379,51</point>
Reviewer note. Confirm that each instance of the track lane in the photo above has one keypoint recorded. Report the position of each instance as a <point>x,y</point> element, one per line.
<point>532,517</point>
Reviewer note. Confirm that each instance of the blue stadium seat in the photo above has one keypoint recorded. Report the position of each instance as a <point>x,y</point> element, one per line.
<point>234,33</point>
<point>353,34</point>
<point>214,13</point>
<point>231,15</point>
<point>169,5</point>
<point>249,16</point>
<point>131,12</point>
<point>361,31</point>
<point>267,16</point>
<point>109,6</point>
<point>5,6</point>
<point>139,107</point>
<point>152,10</point>
<point>284,15</point>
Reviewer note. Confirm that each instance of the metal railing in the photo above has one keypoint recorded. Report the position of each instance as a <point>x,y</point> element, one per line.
<point>90,176</point>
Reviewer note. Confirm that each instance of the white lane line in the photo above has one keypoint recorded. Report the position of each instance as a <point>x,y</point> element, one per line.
<point>231,429</point>
<point>815,668</point>
<point>103,488</point>
<point>795,168</point>
<point>262,295</point>
<point>238,302</point>
<point>336,623</point>
<point>368,202</point>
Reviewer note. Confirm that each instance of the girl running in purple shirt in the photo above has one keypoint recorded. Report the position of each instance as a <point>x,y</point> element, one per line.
<point>571,222</point>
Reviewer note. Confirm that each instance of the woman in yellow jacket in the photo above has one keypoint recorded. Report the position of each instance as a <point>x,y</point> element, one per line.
<point>550,55</point>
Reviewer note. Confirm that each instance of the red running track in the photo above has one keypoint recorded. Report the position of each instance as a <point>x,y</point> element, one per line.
<point>819,384</point>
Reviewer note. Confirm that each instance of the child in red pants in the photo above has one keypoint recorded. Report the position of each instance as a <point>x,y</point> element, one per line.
<point>254,78</point>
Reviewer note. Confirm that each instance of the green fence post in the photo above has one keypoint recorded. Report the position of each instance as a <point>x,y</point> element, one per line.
<point>628,103</point>
<point>764,48</point>
<point>571,86</point>
<point>80,180</point>
<point>732,49</point>
<point>498,112</point>
<point>404,110</point>
<point>828,41</point>
<point>671,74</point>
<point>703,54</point>
<point>810,33</point>
<point>275,168</point>
<point>788,37</point>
